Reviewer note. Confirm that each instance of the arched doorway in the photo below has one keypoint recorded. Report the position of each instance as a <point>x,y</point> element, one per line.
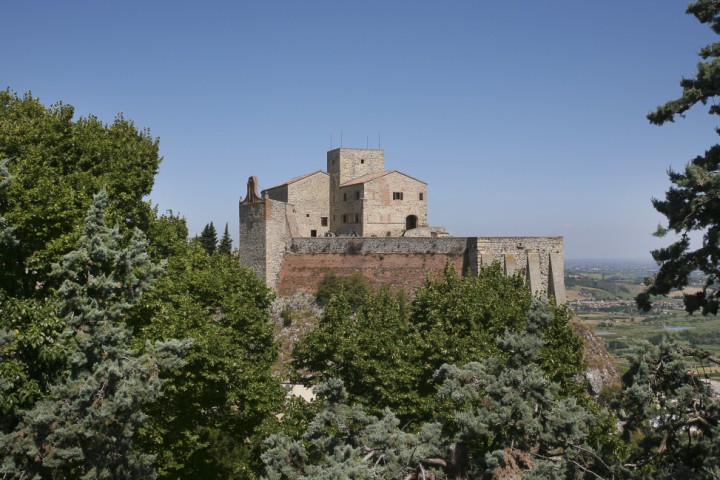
<point>410,222</point>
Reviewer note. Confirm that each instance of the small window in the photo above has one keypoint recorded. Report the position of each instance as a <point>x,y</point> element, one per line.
<point>323,221</point>
<point>357,218</point>
<point>397,195</point>
<point>421,195</point>
<point>357,195</point>
<point>313,233</point>
<point>344,217</point>
<point>344,197</point>
<point>307,215</point>
<point>362,160</point>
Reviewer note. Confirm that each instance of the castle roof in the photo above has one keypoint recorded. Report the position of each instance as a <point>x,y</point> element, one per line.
<point>372,176</point>
<point>297,179</point>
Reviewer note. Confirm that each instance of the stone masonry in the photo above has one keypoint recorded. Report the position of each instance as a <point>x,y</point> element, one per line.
<point>353,219</point>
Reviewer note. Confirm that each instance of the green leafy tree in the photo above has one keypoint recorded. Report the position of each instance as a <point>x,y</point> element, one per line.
<point>208,238</point>
<point>369,347</point>
<point>84,426</point>
<point>57,164</point>
<point>354,288</point>
<point>225,245</point>
<point>691,204</point>
<point>387,353</point>
<point>7,239</point>
<point>210,425</point>
<point>505,417</point>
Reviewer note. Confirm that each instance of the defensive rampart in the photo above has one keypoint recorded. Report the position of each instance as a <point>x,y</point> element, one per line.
<point>403,263</point>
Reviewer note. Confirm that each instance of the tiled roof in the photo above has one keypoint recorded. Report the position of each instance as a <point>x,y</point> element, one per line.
<point>296,179</point>
<point>372,176</point>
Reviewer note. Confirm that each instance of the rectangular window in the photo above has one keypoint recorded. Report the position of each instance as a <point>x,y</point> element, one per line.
<point>344,197</point>
<point>421,195</point>
<point>357,195</point>
<point>357,218</point>
<point>344,218</point>
<point>397,195</point>
<point>323,221</point>
<point>313,233</point>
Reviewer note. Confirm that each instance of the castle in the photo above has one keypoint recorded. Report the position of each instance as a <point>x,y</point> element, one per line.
<point>359,217</point>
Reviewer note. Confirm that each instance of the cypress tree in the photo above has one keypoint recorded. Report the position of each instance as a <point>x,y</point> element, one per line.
<point>84,427</point>
<point>208,238</point>
<point>225,245</point>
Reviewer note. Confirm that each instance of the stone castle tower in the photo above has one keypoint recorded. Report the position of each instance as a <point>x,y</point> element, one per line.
<point>359,217</point>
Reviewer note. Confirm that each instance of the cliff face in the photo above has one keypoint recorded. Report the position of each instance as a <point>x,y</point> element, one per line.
<point>601,371</point>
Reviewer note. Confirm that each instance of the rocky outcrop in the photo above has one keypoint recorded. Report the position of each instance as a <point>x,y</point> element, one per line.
<point>600,372</point>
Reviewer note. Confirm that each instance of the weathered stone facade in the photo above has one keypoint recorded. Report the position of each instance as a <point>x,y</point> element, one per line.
<point>359,213</point>
<point>308,197</point>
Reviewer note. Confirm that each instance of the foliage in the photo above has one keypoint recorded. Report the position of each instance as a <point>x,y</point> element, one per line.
<point>386,354</point>
<point>354,288</point>
<point>505,416</point>
<point>219,400</point>
<point>691,204</point>
<point>83,427</point>
<point>208,238</point>
<point>670,413</point>
<point>344,441</point>
<point>57,164</point>
<point>31,355</point>
<point>225,245</point>
<point>369,347</point>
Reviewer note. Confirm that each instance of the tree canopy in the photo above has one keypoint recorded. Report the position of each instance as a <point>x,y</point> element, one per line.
<point>692,203</point>
<point>57,165</point>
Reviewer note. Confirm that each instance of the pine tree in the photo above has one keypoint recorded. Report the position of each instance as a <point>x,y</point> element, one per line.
<point>208,238</point>
<point>84,427</point>
<point>225,245</point>
<point>690,204</point>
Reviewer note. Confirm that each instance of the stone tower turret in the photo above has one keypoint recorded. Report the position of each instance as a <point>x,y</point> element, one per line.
<point>345,164</point>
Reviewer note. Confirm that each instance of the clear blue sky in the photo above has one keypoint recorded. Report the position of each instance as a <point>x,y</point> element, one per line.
<point>525,118</point>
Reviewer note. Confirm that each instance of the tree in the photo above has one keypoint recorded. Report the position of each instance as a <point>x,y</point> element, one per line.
<point>84,427</point>
<point>225,245</point>
<point>7,239</point>
<point>387,353</point>
<point>669,412</point>
<point>57,165</point>
<point>208,238</point>
<point>692,204</point>
<point>505,417</point>
<point>211,423</point>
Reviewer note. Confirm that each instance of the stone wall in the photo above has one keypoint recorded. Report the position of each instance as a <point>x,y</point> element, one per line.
<point>541,257</point>
<point>403,262</point>
<point>252,237</point>
<point>384,214</point>
<point>264,237</point>
<point>309,198</point>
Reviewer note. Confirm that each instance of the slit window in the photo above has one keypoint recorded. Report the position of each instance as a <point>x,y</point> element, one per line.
<point>357,195</point>
<point>344,197</point>
<point>422,197</point>
<point>344,218</point>
<point>357,218</point>
<point>397,195</point>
